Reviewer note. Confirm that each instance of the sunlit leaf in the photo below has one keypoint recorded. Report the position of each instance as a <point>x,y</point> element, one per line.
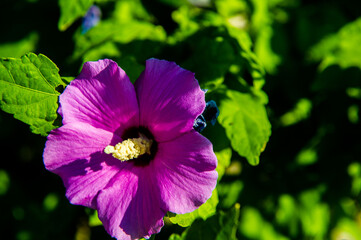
<point>224,159</point>
<point>354,170</point>
<point>249,59</point>
<point>301,111</point>
<point>230,8</point>
<point>29,90</point>
<point>129,10</point>
<point>229,193</point>
<point>175,236</point>
<point>253,226</point>
<point>222,148</point>
<point>205,211</point>
<point>94,219</point>
<point>247,126</point>
<point>101,39</point>
<point>217,45</point>
<point>19,48</point>
<point>314,215</point>
<point>251,223</point>
<point>71,10</point>
<point>223,225</point>
<point>346,229</point>
<point>287,213</point>
<point>306,157</point>
<point>191,19</point>
<point>342,48</point>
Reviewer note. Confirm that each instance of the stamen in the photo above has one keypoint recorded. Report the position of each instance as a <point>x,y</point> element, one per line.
<point>130,148</point>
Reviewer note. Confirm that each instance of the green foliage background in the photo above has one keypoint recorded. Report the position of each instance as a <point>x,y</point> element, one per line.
<point>290,66</point>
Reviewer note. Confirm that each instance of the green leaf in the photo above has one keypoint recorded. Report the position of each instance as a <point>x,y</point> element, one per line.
<point>4,182</point>
<point>28,89</point>
<point>253,226</point>
<point>51,201</point>
<point>224,160</point>
<point>231,8</point>
<point>67,80</point>
<point>131,67</point>
<point>71,10</point>
<point>342,48</point>
<point>301,111</point>
<point>191,19</point>
<point>214,53</point>
<point>346,228</point>
<point>217,46</point>
<point>126,11</point>
<point>221,226</point>
<point>287,213</point>
<point>314,214</point>
<point>204,211</point>
<point>229,193</point>
<point>175,236</point>
<point>94,219</point>
<point>247,126</point>
<point>19,48</point>
<point>221,145</point>
<point>102,40</point>
<point>249,58</point>
<point>354,170</point>
<point>175,3</point>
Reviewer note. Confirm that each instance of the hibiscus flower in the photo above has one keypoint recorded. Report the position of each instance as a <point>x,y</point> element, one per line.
<point>130,151</point>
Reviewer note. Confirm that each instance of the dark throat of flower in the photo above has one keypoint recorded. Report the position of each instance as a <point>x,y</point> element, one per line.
<point>138,146</point>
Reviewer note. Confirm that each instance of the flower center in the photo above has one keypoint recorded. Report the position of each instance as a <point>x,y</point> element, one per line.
<point>139,146</point>
<point>130,148</point>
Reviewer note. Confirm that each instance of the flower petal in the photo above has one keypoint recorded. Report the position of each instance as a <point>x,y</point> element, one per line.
<point>101,96</point>
<point>131,208</point>
<point>186,172</point>
<point>170,99</point>
<point>75,152</point>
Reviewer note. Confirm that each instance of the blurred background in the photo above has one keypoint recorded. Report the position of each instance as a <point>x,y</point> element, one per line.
<point>304,55</point>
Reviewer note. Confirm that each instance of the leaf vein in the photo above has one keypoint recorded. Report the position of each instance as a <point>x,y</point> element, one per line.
<point>52,88</point>
<point>30,89</point>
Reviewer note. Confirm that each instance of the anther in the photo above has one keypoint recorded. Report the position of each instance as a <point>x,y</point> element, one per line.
<point>130,148</point>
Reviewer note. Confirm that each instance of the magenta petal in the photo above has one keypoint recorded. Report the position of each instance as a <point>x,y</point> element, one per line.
<point>131,208</point>
<point>170,99</point>
<point>101,96</point>
<point>75,152</point>
<point>186,171</point>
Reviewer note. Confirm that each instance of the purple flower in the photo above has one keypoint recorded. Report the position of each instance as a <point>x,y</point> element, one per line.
<point>91,18</point>
<point>130,151</point>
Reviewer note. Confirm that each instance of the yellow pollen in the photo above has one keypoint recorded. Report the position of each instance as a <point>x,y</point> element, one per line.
<point>130,148</point>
